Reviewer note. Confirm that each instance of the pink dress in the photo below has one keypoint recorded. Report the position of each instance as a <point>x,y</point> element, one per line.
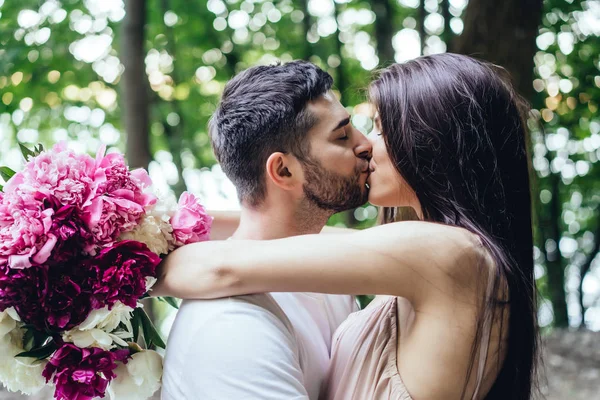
<point>363,365</point>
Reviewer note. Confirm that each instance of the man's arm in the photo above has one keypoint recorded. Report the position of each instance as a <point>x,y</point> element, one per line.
<point>244,352</point>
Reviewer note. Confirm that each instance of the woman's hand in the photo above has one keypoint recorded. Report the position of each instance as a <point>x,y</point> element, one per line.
<point>191,271</point>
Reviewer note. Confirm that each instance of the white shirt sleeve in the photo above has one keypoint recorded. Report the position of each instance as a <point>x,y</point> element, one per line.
<point>241,352</point>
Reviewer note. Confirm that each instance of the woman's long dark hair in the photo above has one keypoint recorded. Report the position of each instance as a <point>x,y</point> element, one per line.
<point>454,129</point>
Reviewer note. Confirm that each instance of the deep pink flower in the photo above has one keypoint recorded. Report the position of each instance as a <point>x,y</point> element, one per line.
<point>60,297</point>
<point>119,273</point>
<point>50,298</point>
<point>191,223</point>
<point>82,374</point>
<point>119,202</point>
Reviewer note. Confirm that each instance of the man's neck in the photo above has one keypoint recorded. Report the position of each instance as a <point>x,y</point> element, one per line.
<point>273,223</point>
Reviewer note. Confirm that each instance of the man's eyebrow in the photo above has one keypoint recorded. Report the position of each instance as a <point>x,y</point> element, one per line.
<point>342,123</point>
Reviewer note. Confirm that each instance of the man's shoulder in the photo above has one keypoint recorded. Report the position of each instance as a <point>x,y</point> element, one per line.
<point>262,301</point>
<point>215,344</point>
<point>255,309</point>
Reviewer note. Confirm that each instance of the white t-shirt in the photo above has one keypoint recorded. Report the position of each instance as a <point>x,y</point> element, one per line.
<point>265,346</point>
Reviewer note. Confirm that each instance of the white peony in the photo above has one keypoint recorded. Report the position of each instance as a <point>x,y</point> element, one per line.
<point>138,379</point>
<point>98,328</point>
<point>17,374</point>
<point>8,322</point>
<point>155,232</point>
<point>94,338</point>
<point>108,319</point>
<point>150,281</point>
<point>165,206</point>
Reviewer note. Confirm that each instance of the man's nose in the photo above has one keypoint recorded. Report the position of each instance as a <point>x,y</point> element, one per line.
<point>363,147</point>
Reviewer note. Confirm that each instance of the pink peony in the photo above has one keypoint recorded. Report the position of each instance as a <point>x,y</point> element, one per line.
<point>191,223</point>
<point>25,231</point>
<point>55,181</point>
<point>35,226</point>
<point>119,203</point>
<point>82,374</point>
<point>60,172</point>
<point>119,273</point>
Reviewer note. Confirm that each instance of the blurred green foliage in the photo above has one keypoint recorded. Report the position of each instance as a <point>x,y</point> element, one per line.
<point>60,68</point>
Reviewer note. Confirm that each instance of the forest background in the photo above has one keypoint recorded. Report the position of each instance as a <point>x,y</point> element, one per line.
<point>145,76</point>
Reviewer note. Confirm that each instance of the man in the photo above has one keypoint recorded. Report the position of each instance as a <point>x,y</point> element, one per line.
<point>288,146</point>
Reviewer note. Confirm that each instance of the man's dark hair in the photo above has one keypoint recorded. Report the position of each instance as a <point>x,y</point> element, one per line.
<point>262,111</point>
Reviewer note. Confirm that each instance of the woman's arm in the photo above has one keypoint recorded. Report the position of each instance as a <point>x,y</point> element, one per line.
<point>414,260</point>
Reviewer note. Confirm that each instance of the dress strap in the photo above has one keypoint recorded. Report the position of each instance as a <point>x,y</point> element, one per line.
<point>483,353</point>
<point>485,338</point>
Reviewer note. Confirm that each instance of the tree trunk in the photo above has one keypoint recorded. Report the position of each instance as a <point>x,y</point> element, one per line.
<point>384,31</point>
<point>504,33</point>
<point>422,33</point>
<point>134,87</point>
<point>554,260</point>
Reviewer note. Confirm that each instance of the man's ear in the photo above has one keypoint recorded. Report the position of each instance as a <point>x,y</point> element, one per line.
<point>284,170</point>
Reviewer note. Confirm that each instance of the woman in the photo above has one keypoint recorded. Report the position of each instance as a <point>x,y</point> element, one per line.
<point>458,321</point>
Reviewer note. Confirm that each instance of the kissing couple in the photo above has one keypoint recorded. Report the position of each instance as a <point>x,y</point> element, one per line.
<point>269,314</point>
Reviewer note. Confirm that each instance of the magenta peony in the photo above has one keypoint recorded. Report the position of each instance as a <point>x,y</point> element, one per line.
<point>47,298</point>
<point>119,273</point>
<point>82,374</point>
<point>65,294</point>
<point>191,223</point>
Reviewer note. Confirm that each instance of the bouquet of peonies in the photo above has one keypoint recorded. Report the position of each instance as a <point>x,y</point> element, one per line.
<point>80,240</point>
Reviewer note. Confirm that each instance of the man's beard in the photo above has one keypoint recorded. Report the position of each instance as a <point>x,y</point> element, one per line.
<point>333,192</point>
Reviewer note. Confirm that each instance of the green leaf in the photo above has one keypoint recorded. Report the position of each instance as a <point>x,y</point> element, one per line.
<point>1,188</point>
<point>28,340</point>
<point>151,335</point>
<point>170,301</point>
<point>6,173</point>
<point>40,353</point>
<point>38,149</point>
<point>136,322</point>
<point>26,152</point>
